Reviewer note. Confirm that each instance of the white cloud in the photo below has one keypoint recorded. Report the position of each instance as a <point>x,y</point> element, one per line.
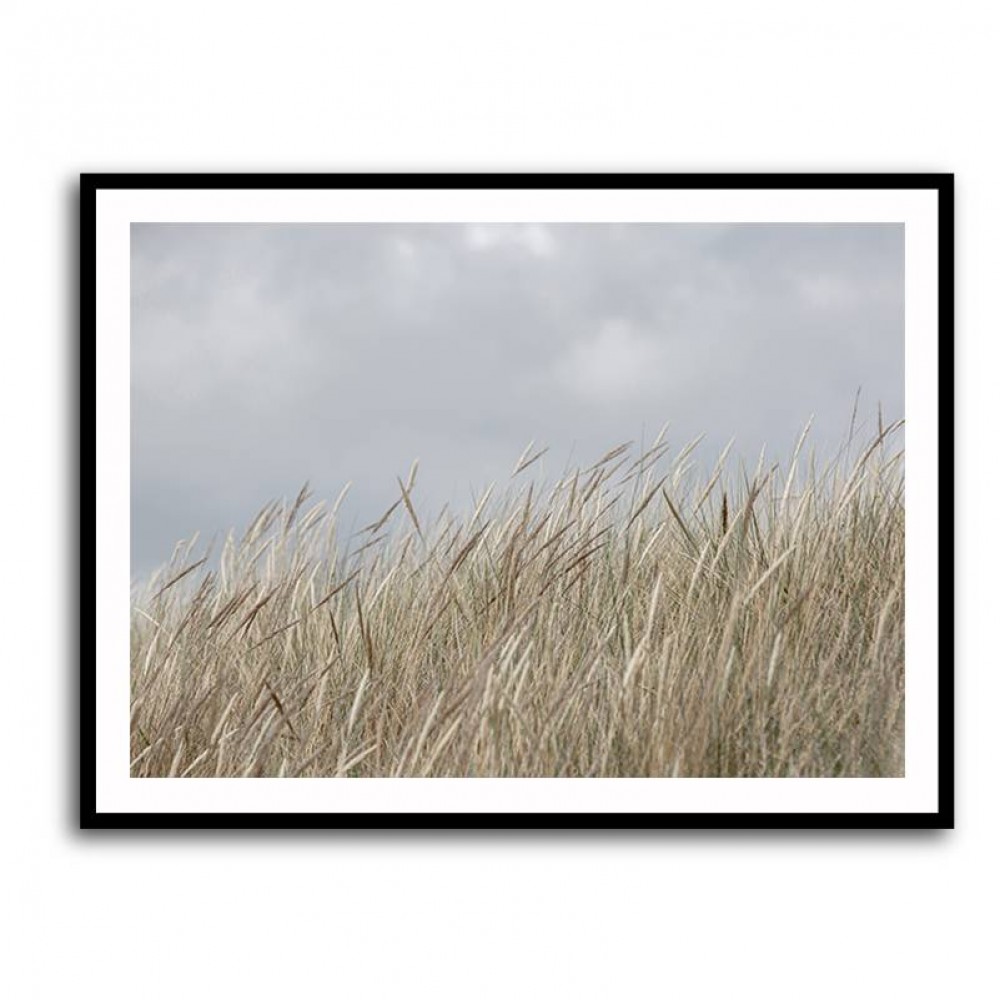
<point>535,238</point>
<point>538,240</point>
<point>404,248</point>
<point>826,291</point>
<point>614,365</point>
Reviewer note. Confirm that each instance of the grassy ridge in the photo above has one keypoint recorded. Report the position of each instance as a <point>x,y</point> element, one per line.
<point>631,620</point>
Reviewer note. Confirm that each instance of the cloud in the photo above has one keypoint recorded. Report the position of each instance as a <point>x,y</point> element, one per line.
<point>404,248</point>
<point>826,291</point>
<point>535,238</point>
<point>609,367</point>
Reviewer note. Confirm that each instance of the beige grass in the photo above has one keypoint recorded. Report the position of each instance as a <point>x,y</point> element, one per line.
<point>635,619</point>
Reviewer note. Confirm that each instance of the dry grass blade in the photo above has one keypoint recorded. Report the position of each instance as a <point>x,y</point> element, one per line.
<point>410,510</point>
<point>281,708</point>
<point>614,453</point>
<point>336,590</point>
<point>524,464</point>
<point>304,495</point>
<point>246,622</point>
<point>645,503</point>
<point>375,525</point>
<point>180,576</point>
<point>680,521</point>
<point>276,632</point>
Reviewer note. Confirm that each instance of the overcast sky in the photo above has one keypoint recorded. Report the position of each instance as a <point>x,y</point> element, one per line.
<point>267,355</point>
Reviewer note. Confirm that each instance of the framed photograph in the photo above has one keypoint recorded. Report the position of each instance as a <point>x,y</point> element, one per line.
<point>538,501</point>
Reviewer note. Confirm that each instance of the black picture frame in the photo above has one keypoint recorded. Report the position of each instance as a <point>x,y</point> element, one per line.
<point>92,184</point>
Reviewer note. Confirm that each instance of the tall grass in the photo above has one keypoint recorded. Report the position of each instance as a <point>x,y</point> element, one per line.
<point>635,618</point>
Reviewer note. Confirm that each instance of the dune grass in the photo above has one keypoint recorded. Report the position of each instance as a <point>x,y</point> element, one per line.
<point>636,618</point>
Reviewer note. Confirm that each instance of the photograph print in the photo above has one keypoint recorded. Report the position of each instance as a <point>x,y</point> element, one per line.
<point>469,488</point>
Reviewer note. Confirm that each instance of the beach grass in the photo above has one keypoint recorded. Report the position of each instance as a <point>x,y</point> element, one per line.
<point>641,616</point>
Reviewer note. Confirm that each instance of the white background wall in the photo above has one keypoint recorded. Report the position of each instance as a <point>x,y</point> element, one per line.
<point>520,85</point>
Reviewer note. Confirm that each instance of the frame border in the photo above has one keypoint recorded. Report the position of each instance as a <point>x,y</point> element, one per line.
<point>943,818</point>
